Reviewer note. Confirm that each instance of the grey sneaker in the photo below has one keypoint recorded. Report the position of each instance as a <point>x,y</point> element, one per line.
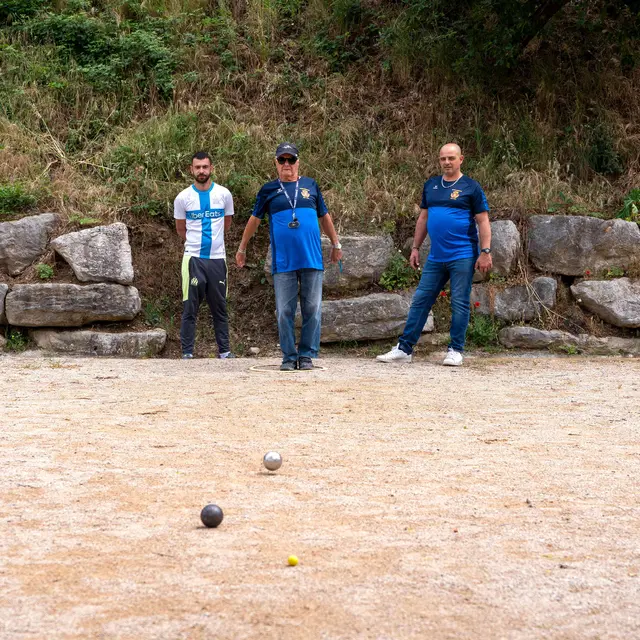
<point>187,356</point>
<point>305,363</point>
<point>289,365</point>
<point>226,355</point>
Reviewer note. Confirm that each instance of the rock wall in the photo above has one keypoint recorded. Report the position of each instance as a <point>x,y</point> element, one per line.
<point>591,253</point>
<point>102,256</point>
<point>588,251</point>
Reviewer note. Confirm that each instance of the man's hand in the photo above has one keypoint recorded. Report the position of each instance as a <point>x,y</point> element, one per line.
<point>414,259</point>
<point>484,262</point>
<point>241,258</point>
<point>336,255</point>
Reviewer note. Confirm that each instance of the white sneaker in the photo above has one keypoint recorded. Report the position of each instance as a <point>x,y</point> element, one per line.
<point>395,355</point>
<point>453,358</point>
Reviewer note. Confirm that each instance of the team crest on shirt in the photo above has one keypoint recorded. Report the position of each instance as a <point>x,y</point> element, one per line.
<point>305,193</point>
<point>455,193</point>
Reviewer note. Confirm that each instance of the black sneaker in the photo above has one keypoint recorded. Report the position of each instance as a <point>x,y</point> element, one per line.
<point>305,364</point>
<point>289,365</point>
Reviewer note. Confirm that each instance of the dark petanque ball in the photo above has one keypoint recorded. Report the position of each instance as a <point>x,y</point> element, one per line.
<point>211,515</point>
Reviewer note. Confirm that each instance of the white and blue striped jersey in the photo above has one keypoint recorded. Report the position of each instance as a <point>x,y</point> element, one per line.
<point>204,212</point>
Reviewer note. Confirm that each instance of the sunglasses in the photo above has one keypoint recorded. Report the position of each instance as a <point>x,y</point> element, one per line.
<point>291,161</point>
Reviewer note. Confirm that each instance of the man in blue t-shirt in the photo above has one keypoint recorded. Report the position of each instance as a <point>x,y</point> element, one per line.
<point>296,213</point>
<point>453,210</point>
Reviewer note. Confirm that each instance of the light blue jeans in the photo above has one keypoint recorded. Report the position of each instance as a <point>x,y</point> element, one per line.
<point>434,277</point>
<point>286,286</point>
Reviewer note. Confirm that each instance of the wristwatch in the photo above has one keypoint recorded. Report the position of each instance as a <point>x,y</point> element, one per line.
<point>485,250</point>
<point>337,245</point>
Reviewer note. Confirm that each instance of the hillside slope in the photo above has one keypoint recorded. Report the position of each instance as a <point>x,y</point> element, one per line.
<point>103,101</point>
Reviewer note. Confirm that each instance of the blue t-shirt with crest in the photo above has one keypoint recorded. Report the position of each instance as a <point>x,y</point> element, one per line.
<point>451,224</point>
<point>293,248</point>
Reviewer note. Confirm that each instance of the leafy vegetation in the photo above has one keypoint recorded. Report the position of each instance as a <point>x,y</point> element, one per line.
<point>120,92</point>
<point>16,341</point>
<point>14,198</point>
<point>483,331</point>
<point>631,207</point>
<point>44,271</point>
<point>399,275</point>
<point>614,272</point>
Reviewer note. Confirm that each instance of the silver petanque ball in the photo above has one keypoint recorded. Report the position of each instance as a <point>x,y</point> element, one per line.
<point>272,460</point>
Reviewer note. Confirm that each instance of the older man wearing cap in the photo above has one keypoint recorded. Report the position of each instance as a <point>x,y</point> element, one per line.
<point>297,213</point>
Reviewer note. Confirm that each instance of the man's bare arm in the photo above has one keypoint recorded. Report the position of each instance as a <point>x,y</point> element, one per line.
<point>326,224</point>
<point>181,228</point>
<point>484,262</point>
<point>249,230</point>
<point>418,238</point>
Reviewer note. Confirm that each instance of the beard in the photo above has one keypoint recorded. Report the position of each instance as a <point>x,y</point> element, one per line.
<point>202,178</point>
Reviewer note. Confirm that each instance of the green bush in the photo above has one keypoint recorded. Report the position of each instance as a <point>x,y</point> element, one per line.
<point>157,149</point>
<point>16,341</point>
<point>13,10</point>
<point>399,274</point>
<point>601,152</point>
<point>613,272</point>
<point>110,54</point>
<point>14,197</point>
<point>159,312</point>
<point>44,271</point>
<point>482,331</point>
<point>631,207</point>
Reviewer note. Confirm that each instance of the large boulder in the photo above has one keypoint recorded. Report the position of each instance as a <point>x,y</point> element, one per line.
<point>364,260</point>
<point>3,294</point>
<point>615,301</point>
<point>100,254</point>
<point>374,317</point>
<point>610,345</point>
<point>516,304</point>
<point>98,343</point>
<point>24,241</point>
<point>505,246</point>
<point>571,245</point>
<point>531,338</point>
<point>70,305</point>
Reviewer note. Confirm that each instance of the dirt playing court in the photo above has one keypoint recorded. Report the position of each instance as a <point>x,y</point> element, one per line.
<point>498,500</point>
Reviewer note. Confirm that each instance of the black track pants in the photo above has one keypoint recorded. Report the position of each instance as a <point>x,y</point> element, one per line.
<point>202,278</point>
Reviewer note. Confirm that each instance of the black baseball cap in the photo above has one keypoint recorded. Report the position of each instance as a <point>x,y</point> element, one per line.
<point>287,148</point>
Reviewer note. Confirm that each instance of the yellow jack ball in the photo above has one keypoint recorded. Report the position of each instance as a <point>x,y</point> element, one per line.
<point>293,560</point>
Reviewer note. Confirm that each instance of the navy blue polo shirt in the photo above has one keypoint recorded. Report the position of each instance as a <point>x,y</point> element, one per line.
<point>299,248</point>
<point>451,221</point>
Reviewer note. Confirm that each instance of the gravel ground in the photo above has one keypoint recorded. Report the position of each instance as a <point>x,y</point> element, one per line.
<point>497,500</point>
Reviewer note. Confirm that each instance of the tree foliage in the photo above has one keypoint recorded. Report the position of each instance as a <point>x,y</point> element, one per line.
<point>492,35</point>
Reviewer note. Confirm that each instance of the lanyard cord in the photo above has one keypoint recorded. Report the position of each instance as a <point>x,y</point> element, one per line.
<point>295,196</point>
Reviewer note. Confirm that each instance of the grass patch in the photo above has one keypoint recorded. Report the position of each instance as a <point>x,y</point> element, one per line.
<point>483,331</point>
<point>15,198</point>
<point>17,341</point>
<point>399,275</point>
<point>44,271</point>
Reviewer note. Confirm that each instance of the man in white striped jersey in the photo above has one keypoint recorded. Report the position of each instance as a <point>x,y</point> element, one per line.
<point>203,213</point>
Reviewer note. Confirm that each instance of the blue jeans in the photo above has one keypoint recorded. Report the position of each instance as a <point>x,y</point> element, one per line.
<point>434,277</point>
<point>286,289</point>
